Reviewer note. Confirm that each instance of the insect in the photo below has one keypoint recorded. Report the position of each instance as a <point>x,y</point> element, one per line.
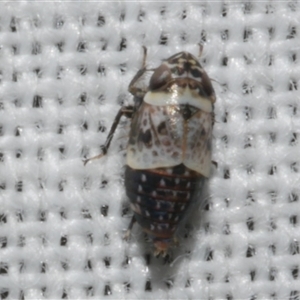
<point>169,147</point>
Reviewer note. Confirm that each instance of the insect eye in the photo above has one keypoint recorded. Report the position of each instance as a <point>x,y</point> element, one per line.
<point>161,76</point>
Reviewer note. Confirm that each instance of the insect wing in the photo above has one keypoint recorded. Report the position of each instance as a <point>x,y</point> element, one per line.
<point>198,143</point>
<point>160,137</point>
<point>156,137</point>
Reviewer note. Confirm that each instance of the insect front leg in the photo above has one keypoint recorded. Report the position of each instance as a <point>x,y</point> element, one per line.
<point>137,87</point>
<point>126,111</point>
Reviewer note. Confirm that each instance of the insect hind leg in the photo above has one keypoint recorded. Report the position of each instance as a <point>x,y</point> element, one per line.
<point>126,111</point>
<point>128,231</point>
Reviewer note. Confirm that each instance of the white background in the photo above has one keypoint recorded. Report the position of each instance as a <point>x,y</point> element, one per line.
<point>64,72</point>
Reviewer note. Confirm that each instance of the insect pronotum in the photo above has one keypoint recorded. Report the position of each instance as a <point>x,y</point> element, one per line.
<point>169,147</point>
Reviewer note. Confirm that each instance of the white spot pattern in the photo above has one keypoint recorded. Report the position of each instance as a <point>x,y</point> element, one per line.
<point>144,178</point>
<point>162,183</point>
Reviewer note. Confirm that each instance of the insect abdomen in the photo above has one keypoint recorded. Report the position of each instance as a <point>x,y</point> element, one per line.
<point>160,197</point>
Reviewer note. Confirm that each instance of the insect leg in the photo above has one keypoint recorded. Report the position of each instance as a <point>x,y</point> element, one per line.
<point>134,87</point>
<point>128,231</point>
<point>144,57</point>
<point>124,111</point>
<point>200,49</point>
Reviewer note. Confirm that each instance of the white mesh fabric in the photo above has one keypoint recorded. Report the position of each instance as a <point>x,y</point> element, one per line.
<point>64,72</point>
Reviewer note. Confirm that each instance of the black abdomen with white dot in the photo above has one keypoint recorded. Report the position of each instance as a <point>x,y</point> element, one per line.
<point>160,197</point>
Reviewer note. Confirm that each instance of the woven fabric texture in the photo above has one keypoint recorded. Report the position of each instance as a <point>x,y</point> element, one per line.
<point>64,73</point>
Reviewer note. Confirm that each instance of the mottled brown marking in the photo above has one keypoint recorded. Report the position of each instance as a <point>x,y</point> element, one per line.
<point>161,76</point>
<point>174,59</point>
<point>196,72</point>
<point>201,92</point>
<point>152,109</point>
<point>181,82</point>
<point>193,61</point>
<point>207,87</point>
<point>203,133</point>
<point>154,153</point>
<point>177,70</point>
<point>193,84</point>
<point>187,111</point>
<point>175,154</point>
<point>145,138</point>
<point>162,128</point>
<point>208,145</point>
<point>166,142</point>
<point>179,170</point>
<point>186,66</point>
